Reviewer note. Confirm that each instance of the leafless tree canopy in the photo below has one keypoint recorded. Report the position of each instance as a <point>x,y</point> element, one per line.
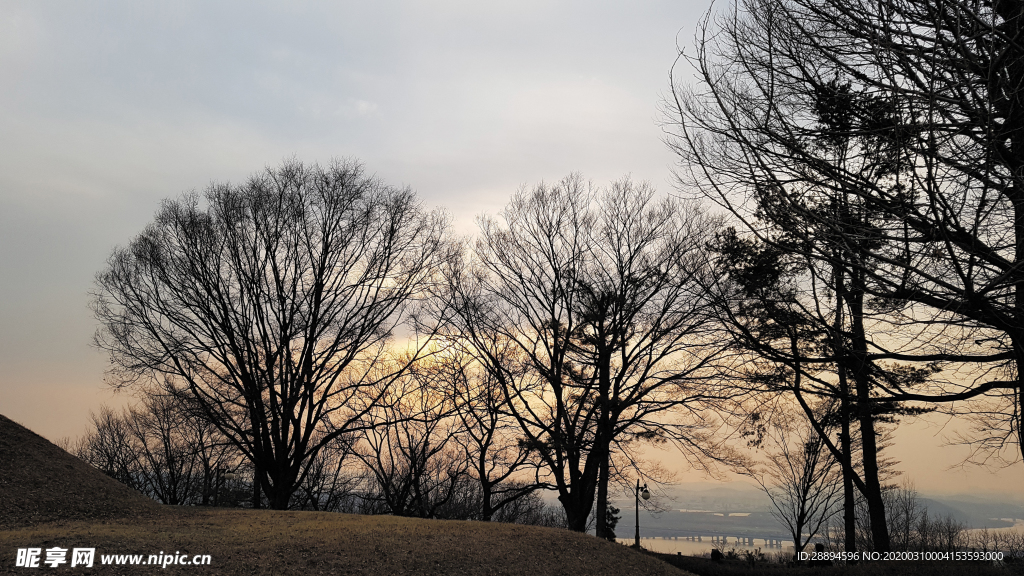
<point>415,464</point>
<point>882,143</point>
<point>801,479</point>
<point>489,440</point>
<point>161,449</point>
<point>586,308</point>
<point>271,305</point>
<point>912,111</point>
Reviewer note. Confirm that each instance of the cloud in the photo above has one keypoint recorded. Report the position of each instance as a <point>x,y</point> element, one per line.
<point>108,107</point>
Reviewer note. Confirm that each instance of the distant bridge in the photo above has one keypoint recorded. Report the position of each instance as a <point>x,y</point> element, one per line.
<point>748,537</point>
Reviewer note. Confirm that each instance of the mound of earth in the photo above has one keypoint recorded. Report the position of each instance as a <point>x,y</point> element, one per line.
<point>69,504</point>
<point>246,542</point>
<point>39,482</point>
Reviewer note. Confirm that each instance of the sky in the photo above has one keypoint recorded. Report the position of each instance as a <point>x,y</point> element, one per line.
<point>108,107</point>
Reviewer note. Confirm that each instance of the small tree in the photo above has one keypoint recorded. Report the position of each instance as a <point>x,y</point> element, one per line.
<point>169,465</point>
<point>801,478</point>
<point>499,462</point>
<point>331,483</point>
<point>415,466</point>
<point>611,520</point>
<point>108,447</point>
<point>160,448</point>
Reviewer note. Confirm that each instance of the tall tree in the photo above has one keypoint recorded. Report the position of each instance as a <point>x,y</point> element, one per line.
<point>271,305</point>
<point>599,294</point>
<point>883,139</point>
<point>925,98</point>
<point>793,324</point>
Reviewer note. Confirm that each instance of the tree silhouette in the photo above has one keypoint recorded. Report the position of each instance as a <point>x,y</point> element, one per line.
<point>599,298</point>
<point>270,305</point>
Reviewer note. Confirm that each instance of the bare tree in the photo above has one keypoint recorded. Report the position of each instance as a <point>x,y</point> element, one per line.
<point>911,526</point>
<point>488,434</point>
<point>905,514</point>
<point>927,106</point>
<point>214,453</point>
<point>416,468</point>
<point>271,305</point>
<point>331,483</point>
<point>801,478</point>
<point>168,464</point>
<point>847,126</point>
<point>599,297</point>
<point>159,448</point>
<point>108,446</point>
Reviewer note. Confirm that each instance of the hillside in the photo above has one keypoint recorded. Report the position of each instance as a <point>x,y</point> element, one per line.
<point>49,498</point>
<point>39,482</point>
<point>271,542</point>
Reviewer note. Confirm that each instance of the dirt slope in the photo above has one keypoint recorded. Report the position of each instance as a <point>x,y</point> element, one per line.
<point>39,482</point>
<point>49,498</point>
<point>267,542</point>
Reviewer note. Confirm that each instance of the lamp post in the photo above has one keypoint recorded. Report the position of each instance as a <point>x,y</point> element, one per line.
<point>646,495</point>
<point>216,485</point>
<point>223,475</point>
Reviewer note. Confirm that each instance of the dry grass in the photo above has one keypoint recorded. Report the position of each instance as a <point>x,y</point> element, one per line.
<point>270,542</point>
<point>49,498</point>
<point>39,482</point>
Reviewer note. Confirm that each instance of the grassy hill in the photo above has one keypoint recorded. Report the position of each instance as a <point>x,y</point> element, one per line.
<point>40,482</point>
<point>271,542</point>
<point>49,498</point>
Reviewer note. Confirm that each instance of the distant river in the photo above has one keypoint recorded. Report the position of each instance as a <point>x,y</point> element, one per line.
<point>690,547</point>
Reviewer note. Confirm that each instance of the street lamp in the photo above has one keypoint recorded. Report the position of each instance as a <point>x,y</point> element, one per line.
<point>216,485</point>
<point>223,475</point>
<point>646,495</point>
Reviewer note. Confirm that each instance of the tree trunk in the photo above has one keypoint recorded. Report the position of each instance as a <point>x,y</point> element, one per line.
<point>256,492</point>
<point>577,510</point>
<point>486,511</point>
<point>602,447</point>
<point>849,499</point>
<point>602,499</point>
<point>866,418</point>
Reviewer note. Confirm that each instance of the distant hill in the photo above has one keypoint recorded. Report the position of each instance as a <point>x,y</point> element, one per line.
<point>724,497</point>
<point>40,482</point>
<point>976,512</point>
<point>707,508</point>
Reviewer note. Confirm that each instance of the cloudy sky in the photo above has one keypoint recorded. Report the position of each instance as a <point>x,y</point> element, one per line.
<point>107,107</point>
